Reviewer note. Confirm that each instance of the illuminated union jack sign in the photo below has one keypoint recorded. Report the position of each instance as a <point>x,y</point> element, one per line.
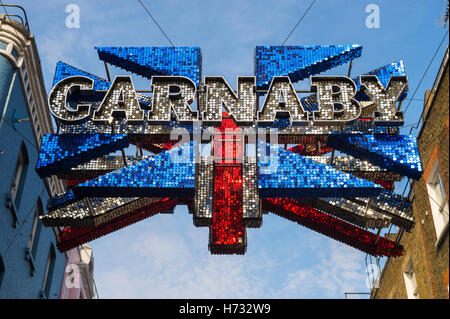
<point>326,158</point>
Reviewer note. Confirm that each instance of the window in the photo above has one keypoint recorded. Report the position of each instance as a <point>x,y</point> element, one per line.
<point>48,275</point>
<point>438,200</point>
<point>3,45</point>
<point>14,53</point>
<point>19,176</point>
<point>28,89</point>
<point>410,281</point>
<point>35,229</point>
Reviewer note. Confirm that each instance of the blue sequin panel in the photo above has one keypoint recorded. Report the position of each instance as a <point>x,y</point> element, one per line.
<point>168,174</point>
<point>299,62</point>
<point>396,153</point>
<point>288,174</point>
<point>64,70</point>
<point>61,200</point>
<point>150,61</point>
<point>101,85</point>
<point>59,153</point>
<point>383,73</point>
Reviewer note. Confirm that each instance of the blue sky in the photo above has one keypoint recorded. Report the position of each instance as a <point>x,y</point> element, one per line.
<point>166,256</point>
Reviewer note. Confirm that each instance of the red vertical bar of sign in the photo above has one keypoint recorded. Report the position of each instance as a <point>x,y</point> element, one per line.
<point>227,232</point>
<point>227,229</point>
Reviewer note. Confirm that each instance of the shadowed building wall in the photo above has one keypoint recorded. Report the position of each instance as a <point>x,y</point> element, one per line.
<point>30,264</point>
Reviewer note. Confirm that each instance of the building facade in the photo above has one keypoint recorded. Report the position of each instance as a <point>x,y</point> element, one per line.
<point>423,271</point>
<point>30,264</point>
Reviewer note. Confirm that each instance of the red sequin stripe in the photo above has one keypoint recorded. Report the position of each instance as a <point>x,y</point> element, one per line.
<point>332,227</point>
<point>169,145</point>
<point>227,229</point>
<point>75,236</point>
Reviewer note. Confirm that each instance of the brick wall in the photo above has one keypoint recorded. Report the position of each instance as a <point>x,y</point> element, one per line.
<point>430,258</point>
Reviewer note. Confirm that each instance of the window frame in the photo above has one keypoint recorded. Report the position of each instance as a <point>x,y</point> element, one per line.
<point>35,232</point>
<point>19,176</point>
<point>438,201</point>
<point>2,271</point>
<point>48,274</point>
<point>410,279</point>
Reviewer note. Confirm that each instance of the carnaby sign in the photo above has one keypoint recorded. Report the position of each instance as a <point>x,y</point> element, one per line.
<point>336,146</point>
<point>174,95</point>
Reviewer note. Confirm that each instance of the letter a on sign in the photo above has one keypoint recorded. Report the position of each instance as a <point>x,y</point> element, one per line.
<point>120,102</point>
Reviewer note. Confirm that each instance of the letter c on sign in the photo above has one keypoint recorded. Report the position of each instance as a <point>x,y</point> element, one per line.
<point>57,100</point>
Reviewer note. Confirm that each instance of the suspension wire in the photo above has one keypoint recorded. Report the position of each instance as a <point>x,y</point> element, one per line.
<point>421,114</point>
<point>17,132</point>
<point>416,125</point>
<point>428,67</point>
<point>312,3</point>
<point>40,194</point>
<point>157,24</point>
